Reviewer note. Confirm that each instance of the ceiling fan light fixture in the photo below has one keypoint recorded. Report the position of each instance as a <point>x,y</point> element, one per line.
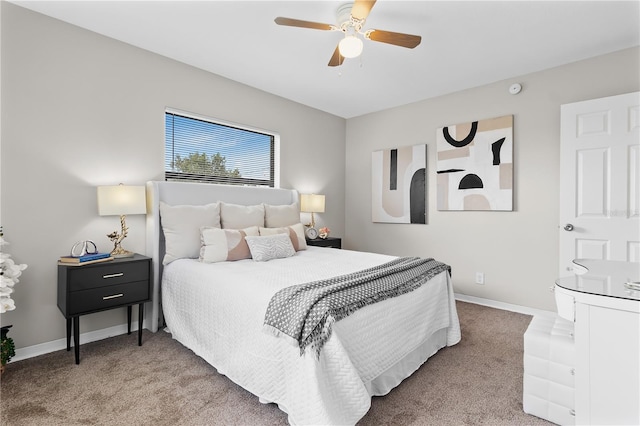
<point>350,46</point>
<point>351,18</point>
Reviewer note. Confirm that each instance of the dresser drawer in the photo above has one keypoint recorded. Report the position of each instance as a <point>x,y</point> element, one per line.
<point>565,304</point>
<point>88,277</point>
<point>107,297</point>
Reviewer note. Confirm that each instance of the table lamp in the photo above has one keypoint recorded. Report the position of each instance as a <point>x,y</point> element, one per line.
<point>312,203</point>
<point>121,200</point>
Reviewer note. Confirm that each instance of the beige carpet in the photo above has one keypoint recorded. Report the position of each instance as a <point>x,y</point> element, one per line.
<point>476,382</point>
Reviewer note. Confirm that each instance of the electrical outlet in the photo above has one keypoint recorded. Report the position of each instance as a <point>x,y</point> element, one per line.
<point>479,277</point>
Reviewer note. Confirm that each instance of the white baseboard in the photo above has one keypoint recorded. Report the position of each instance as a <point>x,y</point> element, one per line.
<point>56,345</point>
<point>92,336</point>
<point>502,305</point>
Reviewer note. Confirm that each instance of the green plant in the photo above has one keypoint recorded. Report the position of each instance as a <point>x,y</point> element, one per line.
<point>7,347</point>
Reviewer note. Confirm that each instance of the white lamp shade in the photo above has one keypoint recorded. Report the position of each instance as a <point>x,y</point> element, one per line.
<point>120,200</point>
<point>350,46</point>
<point>312,203</point>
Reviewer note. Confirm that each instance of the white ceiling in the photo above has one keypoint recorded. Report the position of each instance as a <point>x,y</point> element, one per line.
<point>464,44</point>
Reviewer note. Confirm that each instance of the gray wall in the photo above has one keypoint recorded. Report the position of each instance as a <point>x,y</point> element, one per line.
<point>517,251</point>
<point>81,110</point>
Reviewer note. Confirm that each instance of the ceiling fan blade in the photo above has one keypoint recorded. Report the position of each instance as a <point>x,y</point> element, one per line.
<point>397,39</point>
<point>361,8</point>
<point>303,24</point>
<point>337,59</point>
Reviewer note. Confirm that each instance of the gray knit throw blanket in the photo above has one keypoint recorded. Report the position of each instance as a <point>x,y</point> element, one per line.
<point>306,312</point>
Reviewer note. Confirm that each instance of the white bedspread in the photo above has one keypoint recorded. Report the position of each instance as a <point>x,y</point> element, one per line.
<point>217,310</point>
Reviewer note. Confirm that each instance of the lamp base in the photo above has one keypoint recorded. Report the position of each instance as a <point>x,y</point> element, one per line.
<point>118,252</point>
<point>121,255</point>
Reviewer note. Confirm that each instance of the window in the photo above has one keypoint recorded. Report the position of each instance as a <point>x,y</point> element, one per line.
<point>198,149</point>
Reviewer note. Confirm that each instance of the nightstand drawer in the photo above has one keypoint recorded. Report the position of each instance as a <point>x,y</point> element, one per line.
<point>88,277</point>
<point>107,297</point>
<point>332,242</point>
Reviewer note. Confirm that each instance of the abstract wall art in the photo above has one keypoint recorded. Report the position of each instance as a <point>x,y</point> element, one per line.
<point>399,185</point>
<point>475,165</point>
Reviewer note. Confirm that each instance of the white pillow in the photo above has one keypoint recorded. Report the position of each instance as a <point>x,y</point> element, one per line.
<point>235,216</point>
<point>270,247</point>
<point>219,245</point>
<point>295,233</point>
<point>278,216</point>
<point>181,226</point>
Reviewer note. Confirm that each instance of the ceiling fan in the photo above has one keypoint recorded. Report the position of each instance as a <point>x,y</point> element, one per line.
<point>350,20</point>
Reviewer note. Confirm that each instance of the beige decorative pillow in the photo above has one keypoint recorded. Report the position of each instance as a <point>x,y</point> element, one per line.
<point>278,216</point>
<point>270,247</point>
<point>181,226</point>
<point>219,245</point>
<point>235,216</point>
<point>295,232</point>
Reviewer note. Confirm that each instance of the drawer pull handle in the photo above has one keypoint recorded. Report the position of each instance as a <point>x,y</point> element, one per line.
<point>119,274</point>
<point>114,296</point>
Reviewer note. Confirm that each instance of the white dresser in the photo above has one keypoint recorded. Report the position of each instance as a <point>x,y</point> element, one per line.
<point>606,311</point>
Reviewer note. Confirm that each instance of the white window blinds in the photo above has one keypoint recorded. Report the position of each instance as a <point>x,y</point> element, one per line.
<point>200,150</point>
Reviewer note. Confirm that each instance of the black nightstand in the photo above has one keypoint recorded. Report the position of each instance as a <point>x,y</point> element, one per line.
<point>101,286</point>
<point>333,242</point>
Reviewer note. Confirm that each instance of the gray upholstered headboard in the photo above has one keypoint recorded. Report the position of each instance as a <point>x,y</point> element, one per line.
<point>182,193</point>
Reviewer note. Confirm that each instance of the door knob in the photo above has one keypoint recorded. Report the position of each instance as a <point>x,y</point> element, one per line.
<point>568,227</point>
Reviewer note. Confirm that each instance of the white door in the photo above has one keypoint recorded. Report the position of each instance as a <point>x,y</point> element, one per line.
<point>599,180</point>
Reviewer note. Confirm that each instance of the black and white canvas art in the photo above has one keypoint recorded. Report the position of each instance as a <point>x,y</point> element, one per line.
<point>475,165</point>
<point>399,185</point>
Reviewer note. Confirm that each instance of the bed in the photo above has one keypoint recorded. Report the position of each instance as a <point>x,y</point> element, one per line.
<point>218,311</point>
